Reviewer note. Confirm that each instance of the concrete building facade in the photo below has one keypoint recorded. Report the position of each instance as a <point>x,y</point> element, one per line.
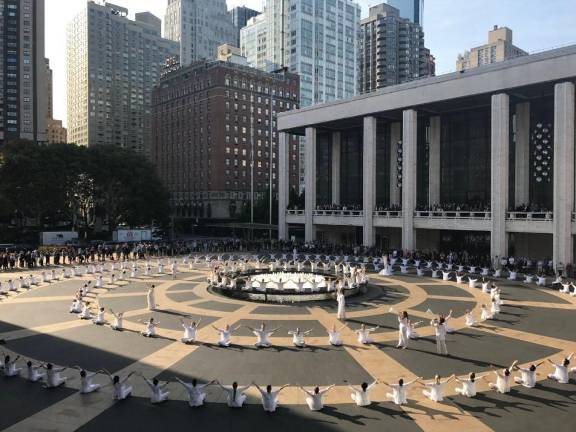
<point>500,47</point>
<point>200,27</point>
<point>481,160</point>
<point>113,64</point>
<point>23,77</point>
<point>215,136</point>
<point>392,50</point>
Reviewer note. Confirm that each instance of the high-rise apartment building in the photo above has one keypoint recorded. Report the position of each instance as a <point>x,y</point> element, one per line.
<point>23,95</point>
<point>240,16</point>
<point>254,43</point>
<point>200,26</point>
<point>498,48</point>
<point>391,50</point>
<point>113,64</point>
<point>316,40</point>
<point>412,10</point>
<point>215,136</point>
<point>55,132</point>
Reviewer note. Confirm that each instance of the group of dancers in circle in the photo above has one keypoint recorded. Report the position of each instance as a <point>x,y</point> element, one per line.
<point>52,377</point>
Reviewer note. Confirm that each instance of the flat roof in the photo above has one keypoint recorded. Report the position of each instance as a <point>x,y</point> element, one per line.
<point>546,67</point>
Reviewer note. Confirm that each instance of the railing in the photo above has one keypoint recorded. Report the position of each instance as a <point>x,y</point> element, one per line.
<point>343,213</point>
<point>388,213</point>
<point>295,212</point>
<point>453,214</point>
<point>541,216</point>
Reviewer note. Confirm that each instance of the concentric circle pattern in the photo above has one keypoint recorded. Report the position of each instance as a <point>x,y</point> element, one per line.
<point>535,324</point>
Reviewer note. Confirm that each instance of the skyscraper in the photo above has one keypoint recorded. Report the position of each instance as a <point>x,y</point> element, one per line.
<point>391,50</point>
<point>498,48</point>
<point>412,10</point>
<point>319,44</point>
<point>240,16</point>
<point>200,26</point>
<point>113,64</point>
<point>23,94</point>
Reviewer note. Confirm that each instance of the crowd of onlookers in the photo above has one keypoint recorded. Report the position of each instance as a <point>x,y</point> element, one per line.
<point>530,208</point>
<point>29,259</point>
<point>477,206</point>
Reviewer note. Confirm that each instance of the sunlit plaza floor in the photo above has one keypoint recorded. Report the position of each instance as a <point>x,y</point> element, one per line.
<point>535,324</point>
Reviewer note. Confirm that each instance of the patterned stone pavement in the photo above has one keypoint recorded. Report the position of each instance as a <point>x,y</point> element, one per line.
<point>535,324</point>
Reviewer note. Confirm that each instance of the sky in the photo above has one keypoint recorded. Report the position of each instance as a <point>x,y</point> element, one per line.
<point>450,26</point>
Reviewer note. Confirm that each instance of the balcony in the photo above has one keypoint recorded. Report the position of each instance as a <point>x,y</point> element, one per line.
<point>453,220</point>
<point>295,216</point>
<point>338,217</point>
<point>530,222</point>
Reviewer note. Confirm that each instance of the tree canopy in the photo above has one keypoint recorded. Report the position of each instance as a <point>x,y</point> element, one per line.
<point>80,186</point>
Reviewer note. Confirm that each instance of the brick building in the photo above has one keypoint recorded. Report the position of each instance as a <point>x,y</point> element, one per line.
<point>211,119</point>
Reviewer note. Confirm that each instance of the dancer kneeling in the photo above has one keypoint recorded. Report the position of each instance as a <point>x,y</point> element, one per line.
<point>159,393</point>
<point>235,395</point>
<point>314,399</point>
<point>196,395</point>
<point>269,397</point>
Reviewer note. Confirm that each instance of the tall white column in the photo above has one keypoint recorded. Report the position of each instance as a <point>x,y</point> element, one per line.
<point>336,156</point>
<point>434,162</point>
<point>409,141</point>
<point>310,183</point>
<point>500,147</point>
<point>283,184</point>
<point>395,136</point>
<point>522,155</point>
<point>369,179</point>
<point>563,172</point>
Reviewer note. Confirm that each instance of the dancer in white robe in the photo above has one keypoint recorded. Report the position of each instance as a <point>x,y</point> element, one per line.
<point>99,282</point>
<point>334,337</point>
<point>196,394</point>
<point>341,299</point>
<point>225,334</point>
<point>298,337</point>
<point>85,313</point>
<point>118,320</point>
<point>561,372</point>
<point>53,377</point>
<point>436,388</point>
<point>364,334</point>
<point>486,314</point>
<point>503,380</point>
<point>361,395</point>
<point>262,335</point>
<point>100,317</point>
<point>34,372</point>
<point>440,331</point>
<point>528,376</point>
<point>315,399</point>
<point>10,368</point>
<point>470,321</point>
<point>158,390</point>
<point>403,325</point>
<point>86,384</point>
<point>151,299</point>
<point>190,331</point>
<point>446,275</point>
<point>398,395</point>
<point>235,395</point>
<point>121,387</point>
<point>468,388</point>
<point>269,396</point>
<point>150,328</point>
<point>76,306</point>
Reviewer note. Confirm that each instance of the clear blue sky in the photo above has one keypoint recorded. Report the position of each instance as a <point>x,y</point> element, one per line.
<point>451,26</point>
